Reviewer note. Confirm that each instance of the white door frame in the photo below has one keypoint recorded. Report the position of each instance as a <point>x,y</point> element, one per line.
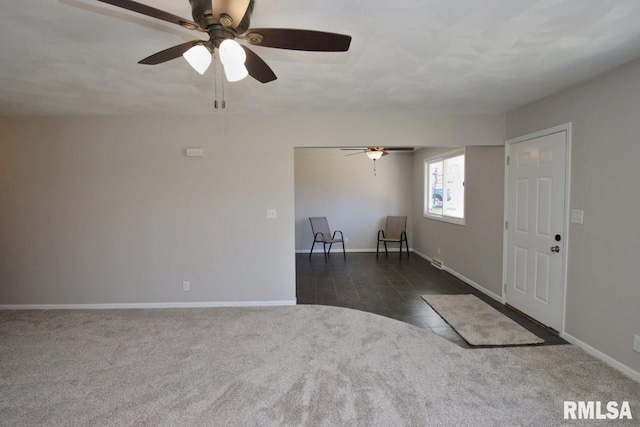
<point>566,127</point>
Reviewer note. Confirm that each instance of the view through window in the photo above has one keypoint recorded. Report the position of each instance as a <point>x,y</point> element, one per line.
<point>444,186</point>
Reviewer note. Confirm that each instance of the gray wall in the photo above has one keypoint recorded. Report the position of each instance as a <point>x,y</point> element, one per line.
<point>346,191</point>
<point>109,210</point>
<point>475,249</point>
<point>603,295</point>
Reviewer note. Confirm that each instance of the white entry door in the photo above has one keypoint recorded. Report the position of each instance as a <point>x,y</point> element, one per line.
<point>535,229</point>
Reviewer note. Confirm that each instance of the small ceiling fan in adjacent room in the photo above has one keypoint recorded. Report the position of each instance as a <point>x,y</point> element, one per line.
<point>227,20</point>
<point>374,153</point>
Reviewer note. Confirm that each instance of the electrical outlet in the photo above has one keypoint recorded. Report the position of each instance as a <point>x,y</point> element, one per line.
<point>346,240</point>
<point>186,286</point>
<point>636,343</point>
<point>272,214</point>
<point>438,250</point>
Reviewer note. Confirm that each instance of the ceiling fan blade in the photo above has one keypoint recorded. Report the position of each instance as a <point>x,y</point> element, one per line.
<point>258,69</point>
<point>285,38</point>
<point>352,149</point>
<point>236,9</point>
<point>153,12</point>
<point>384,153</point>
<point>169,54</point>
<point>398,148</point>
<point>353,154</point>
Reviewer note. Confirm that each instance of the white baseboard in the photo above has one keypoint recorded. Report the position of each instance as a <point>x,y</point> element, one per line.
<point>633,374</point>
<point>474,284</point>
<point>339,250</point>
<point>464,279</point>
<point>421,255</point>
<point>146,305</point>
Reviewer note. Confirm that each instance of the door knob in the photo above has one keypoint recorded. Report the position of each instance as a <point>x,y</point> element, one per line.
<point>555,248</point>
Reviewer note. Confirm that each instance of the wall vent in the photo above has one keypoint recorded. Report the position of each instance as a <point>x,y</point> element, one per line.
<point>436,263</point>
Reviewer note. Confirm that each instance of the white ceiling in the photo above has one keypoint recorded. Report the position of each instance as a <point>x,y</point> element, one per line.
<point>444,56</point>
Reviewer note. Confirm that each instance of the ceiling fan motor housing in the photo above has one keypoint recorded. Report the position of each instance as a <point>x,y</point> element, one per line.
<point>202,13</point>
<point>204,16</point>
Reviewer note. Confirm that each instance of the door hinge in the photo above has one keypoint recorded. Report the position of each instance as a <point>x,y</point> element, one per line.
<point>508,157</point>
<point>506,225</point>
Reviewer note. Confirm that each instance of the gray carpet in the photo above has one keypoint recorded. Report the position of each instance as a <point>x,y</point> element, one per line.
<point>303,365</point>
<point>479,323</point>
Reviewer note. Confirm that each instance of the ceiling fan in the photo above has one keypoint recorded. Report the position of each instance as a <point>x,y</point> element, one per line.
<point>224,21</point>
<point>374,153</point>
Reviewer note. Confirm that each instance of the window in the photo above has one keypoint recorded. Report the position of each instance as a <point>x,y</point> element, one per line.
<point>444,187</point>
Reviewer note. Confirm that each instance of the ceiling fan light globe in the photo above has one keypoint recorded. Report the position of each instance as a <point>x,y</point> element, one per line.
<point>374,154</point>
<point>198,57</point>
<point>235,73</point>
<point>231,53</point>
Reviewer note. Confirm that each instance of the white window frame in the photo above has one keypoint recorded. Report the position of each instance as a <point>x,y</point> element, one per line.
<point>441,158</point>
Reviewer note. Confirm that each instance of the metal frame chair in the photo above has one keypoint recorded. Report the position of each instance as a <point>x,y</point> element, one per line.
<point>322,233</point>
<point>395,231</point>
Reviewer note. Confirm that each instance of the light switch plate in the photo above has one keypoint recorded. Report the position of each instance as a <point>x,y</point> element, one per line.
<point>577,216</point>
<point>636,343</point>
<point>194,152</point>
<point>272,214</point>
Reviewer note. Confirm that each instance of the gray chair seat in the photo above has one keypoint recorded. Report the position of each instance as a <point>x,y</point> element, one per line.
<point>333,240</point>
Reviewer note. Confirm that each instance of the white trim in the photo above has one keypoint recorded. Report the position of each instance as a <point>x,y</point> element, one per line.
<point>464,279</point>
<point>339,251</point>
<point>449,219</point>
<point>505,217</point>
<point>421,255</point>
<point>567,220</point>
<point>472,283</point>
<point>147,305</point>
<point>605,358</point>
<point>566,127</point>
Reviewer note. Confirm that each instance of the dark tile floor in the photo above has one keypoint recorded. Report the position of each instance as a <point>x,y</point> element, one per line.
<point>391,286</point>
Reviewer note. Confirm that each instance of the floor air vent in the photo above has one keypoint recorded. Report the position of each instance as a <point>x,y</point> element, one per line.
<point>436,263</point>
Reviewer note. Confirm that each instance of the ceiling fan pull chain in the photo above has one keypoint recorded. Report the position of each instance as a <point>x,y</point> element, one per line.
<point>374,168</point>
<point>215,83</point>
<point>222,80</point>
